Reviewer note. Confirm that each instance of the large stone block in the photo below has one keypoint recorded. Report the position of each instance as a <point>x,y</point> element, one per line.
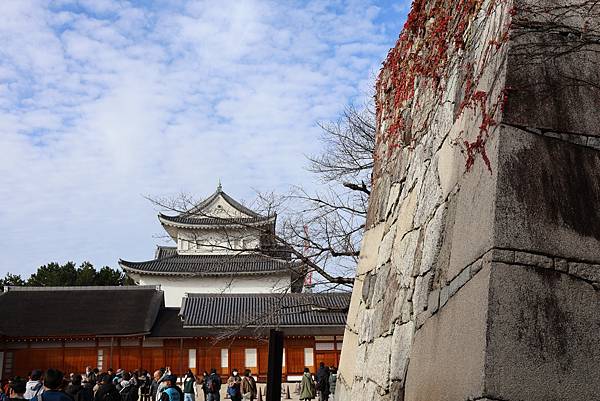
<point>542,339</point>
<point>548,196</point>
<point>447,359</point>
<point>552,69</point>
<point>473,225</point>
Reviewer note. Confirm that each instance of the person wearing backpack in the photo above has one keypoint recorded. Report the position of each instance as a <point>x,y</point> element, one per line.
<point>34,387</point>
<point>234,384</point>
<point>213,385</point>
<point>171,391</point>
<point>107,391</point>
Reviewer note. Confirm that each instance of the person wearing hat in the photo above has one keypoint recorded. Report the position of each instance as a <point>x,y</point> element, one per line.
<point>171,392</point>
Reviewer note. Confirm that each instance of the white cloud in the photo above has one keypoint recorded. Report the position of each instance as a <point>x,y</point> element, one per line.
<point>103,101</point>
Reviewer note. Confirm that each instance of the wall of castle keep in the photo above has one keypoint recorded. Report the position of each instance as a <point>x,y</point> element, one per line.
<point>479,274</point>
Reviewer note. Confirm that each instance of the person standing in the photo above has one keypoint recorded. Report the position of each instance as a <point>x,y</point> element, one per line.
<point>189,386</point>
<point>144,387</point>
<point>17,390</point>
<point>128,391</point>
<point>89,377</point>
<point>248,386</point>
<point>77,391</point>
<point>53,382</point>
<point>323,382</point>
<point>307,386</point>
<point>234,386</point>
<point>204,385</point>
<point>213,385</point>
<point>34,387</point>
<point>332,381</point>
<point>171,391</point>
<point>107,390</point>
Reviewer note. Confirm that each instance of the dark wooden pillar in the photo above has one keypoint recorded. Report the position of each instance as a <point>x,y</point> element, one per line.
<point>274,372</point>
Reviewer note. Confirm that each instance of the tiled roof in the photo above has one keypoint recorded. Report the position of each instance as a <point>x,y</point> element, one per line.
<point>236,205</point>
<point>169,325</point>
<point>210,265</point>
<point>164,251</point>
<point>195,215</point>
<point>212,221</point>
<point>256,310</point>
<point>64,311</point>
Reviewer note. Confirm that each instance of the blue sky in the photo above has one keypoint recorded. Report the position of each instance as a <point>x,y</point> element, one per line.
<point>105,101</point>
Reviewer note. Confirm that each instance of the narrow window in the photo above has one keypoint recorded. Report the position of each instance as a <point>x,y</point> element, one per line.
<point>309,357</point>
<point>251,358</point>
<point>224,357</point>
<point>192,358</point>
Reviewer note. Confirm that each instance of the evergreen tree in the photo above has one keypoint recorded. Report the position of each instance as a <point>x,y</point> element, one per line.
<point>86,274</point>
<point>57,275</point>
<point>54,275</point>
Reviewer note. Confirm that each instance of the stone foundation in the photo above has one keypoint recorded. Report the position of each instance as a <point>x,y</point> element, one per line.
<point>479,274</point>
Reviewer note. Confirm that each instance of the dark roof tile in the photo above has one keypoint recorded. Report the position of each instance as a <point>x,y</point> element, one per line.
<point>210,265</point>
<point>256,310</point>
<point>216,221</point>
<point>63,311</point>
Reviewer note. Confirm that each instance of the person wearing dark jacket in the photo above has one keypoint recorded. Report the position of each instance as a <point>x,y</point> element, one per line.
<point>204,386</point>
<point>77,391</point>
<point>213,384</point>
<point>189,386</point>
<point>127,388</point>
<point>107,391</point>
<point>323,382</point>
<point>171,392</point>
<point>53,381</point>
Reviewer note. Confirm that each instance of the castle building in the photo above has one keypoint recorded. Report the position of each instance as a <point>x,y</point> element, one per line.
<point>208,302</point>
<point>221,247</point>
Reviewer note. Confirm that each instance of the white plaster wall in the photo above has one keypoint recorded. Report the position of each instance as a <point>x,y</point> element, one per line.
<point>219,207</point>
<point>176,287</point>
<point>219,242</point>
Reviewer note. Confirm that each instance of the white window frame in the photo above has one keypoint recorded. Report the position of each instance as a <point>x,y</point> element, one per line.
<point>192,358</point>
<point>251,357</point>
<point>309,357</point>
<point>224,358</point>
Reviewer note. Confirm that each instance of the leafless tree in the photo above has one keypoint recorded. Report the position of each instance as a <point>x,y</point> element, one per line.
<point>319,231</point>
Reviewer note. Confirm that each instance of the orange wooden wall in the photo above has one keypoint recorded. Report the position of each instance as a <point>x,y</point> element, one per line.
<point>173,353</point>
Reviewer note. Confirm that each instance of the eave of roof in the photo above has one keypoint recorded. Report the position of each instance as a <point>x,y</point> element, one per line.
<point>195,222</point>
<point>262,310</point>
<point>211,265</point>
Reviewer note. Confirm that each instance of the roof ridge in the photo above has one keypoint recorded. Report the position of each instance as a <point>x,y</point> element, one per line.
<point>84,287</point>
<point>219,192</point>
<point>266,294</point>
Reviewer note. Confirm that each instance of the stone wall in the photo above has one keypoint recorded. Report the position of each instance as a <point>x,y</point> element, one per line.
<point>479,273</point>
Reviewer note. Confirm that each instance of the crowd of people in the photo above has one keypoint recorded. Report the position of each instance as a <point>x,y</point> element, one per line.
<point>120,385</point>
<point>162,385</point>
